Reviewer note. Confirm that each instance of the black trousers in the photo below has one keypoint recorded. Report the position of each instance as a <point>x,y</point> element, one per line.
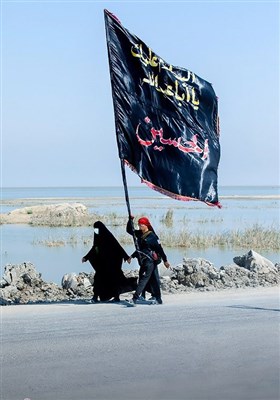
<point>148,274</point>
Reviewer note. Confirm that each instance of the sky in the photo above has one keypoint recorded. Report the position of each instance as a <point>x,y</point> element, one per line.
<point>57,120</point>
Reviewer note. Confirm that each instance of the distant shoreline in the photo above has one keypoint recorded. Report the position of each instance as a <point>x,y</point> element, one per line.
<point>141,185</point>
<point>262,196</point>
<point>48,199</point>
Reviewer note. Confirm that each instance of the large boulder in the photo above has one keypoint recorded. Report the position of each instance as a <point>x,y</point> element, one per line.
<point>78,284</point>
<point>253,261</point>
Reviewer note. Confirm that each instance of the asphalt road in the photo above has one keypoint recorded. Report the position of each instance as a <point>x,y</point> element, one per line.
<point>220,346</point>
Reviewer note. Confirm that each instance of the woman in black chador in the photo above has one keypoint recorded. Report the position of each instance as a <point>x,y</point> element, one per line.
<point>106,257</point>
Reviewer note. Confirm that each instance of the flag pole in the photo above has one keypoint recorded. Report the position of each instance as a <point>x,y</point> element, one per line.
<point>128,203</point>
<point>125,187</point>
<point>119,145</point>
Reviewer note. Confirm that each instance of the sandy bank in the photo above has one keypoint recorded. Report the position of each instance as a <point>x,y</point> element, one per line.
<point>45,210</point>
<point>58,214</point>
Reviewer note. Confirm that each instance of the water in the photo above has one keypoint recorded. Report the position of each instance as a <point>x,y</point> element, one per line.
<point>116,191</point>
<point>242,207</point>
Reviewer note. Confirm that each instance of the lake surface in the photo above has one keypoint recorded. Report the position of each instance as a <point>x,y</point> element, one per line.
<point>243,207</point>
<point>117,191</point>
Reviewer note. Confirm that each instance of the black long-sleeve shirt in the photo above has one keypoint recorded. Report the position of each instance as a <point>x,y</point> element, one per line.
<point>147,242</point>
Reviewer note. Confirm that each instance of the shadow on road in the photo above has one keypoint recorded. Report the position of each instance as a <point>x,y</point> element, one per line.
<point>255,308</point>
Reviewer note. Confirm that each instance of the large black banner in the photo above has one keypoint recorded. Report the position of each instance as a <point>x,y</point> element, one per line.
<point>166,119</point>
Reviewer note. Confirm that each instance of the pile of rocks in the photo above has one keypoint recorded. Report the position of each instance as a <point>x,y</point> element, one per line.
<point>22,284</point>
<point>249,270</point>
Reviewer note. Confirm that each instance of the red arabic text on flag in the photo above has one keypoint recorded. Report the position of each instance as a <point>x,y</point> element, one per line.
<point>166,119</point>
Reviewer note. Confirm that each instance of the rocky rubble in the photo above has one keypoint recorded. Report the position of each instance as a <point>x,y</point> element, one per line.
<point>249,270</point>
<point>22,284</point>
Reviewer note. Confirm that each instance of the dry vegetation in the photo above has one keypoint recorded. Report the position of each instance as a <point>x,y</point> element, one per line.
<point>255,237</point>
<point>74,215</point>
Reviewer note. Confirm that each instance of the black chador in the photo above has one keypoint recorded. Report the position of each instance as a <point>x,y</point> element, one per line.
<point>106,257</point>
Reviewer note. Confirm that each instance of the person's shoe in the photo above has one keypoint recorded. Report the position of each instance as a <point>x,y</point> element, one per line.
<point>142,298</point>
<point>130,303</point>
<point>158,300</point>
<point>152,298</point>
<point>95,299</point>
<point>134,299</point>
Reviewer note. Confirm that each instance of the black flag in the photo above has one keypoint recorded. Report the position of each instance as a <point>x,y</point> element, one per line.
<point>166,119</point>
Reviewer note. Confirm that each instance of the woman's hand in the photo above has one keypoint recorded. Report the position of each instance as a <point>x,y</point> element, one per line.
<point>128,260</point>
<point>166,264</point>
<point>84,259</point>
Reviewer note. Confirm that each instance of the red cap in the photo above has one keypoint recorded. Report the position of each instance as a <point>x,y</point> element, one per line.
<point>145,221</point>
